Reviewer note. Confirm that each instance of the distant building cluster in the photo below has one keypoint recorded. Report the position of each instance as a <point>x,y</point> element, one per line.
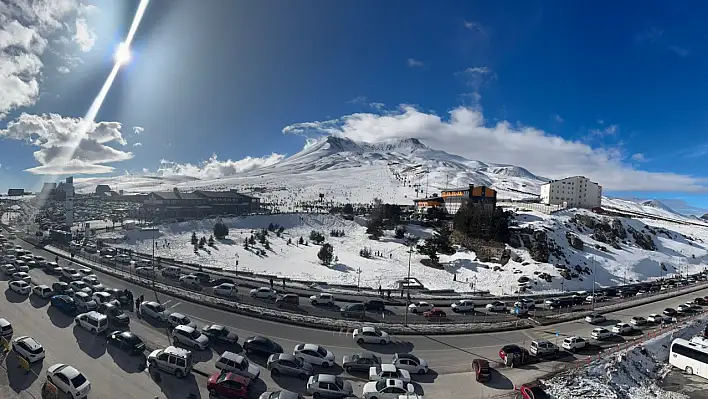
<point>453,199</point>
<point>200,203</point>
<point>576,191</point>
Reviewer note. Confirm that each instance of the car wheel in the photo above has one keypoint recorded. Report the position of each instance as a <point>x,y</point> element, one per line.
<point>422,371</point>
<point>316,395</point>
<point>360,341</point>
<point>314,303</point>
<point>689,370</point>
<point>383,342</point>
<point>179,373</point>
<point>349,369</point>
<point>274,372</point>
<point>325,364</point>
<point>93,330</point>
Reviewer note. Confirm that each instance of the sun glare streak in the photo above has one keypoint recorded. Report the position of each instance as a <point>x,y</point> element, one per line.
<point>122,57</point>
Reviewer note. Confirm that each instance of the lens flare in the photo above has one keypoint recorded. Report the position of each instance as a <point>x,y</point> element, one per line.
<point>122,56</point>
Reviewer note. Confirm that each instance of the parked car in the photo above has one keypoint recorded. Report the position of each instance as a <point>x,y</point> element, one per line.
<point>178,319</point>
<point>463,306</point>
<point>29,348</point>
<point>189,336</point>
<point>327,385</point>
<point>496,306</point>
<point>410,362</point>
<point>263,293</point>
<point>600,334</point>
<point>261,345</point>
<point>84,301</point>
<point>80,286</point>
<point>92,321</point>
<point>683,308</point>
<point>93,282</point>
<point>153,310</point>
<point>173,360</point>
<point>70,274</point>
<point>543,348</point>
<point>226,290</point>
<point>288,300</point>
<point>22,276</point>
<point>220,334</point>
<point>513,355</point>
<point>189,280</point>
<point>375,305</point>
<point>354,310</point>
<point>282,394</point>
<point>101,297</point>
<point>114,313</point>
<point>5,328</point>
<point>435,313</point>
<point>654,318</point>
<point>64,303</point>
<point>532,391</point>
<point>670,312</point>
<point>574,343</point>
<point>638,321</point>
<point>360,361</point>
<point>595,318</point>
<point>42,291</point>
<point>234,363</point>
<point>62,288</point>
<point>228,385</point>
<point>69,380</point>
<point>370,335</point>
<point>482,371</point>
<point>322,299</point>
<point>20,287</point>
<point>387,389</point>
<point>314,354</point>
<point>386,371</point>
<point>127,342</point>
<point>419,307</point>
<point>286,364</point>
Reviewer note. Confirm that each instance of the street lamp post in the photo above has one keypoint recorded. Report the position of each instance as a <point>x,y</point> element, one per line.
<point>594,272</point>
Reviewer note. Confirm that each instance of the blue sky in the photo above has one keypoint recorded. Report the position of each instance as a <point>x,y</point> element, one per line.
<point>609,90</point>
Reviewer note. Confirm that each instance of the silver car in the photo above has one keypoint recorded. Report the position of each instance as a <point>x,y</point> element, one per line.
<point>286,364</point>
<point>284,394</point>
<point>330,386</point>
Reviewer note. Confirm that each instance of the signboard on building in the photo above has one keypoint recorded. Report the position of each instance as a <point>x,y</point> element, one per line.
<point>453,194</point>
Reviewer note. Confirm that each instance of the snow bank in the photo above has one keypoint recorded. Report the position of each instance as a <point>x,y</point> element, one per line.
<point>627,374</point>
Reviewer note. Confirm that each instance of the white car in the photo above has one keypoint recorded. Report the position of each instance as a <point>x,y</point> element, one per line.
<point>69,380</point>
<point>387,389</point>
<point>314,354</point>
<point>5,328</point>
<point>410,363</point>
<point>29,348</point>
<point>101,297</point>
<point>93,282</point>
<point>655,318</point>
<point>70,274</point>
<point>22,276</point>
<point>8,269</point>
<point>638,321</point>
<point>371,335</point>
<point>226,290</point>
<point>622,328</point>
<point>574,343</point>
<point>595,318</point>
<point>189,336</point>
<point>189,280</point>
<point>22,266</point>
<point>462,306</point>
<point>419,307</point>
<point>322,299</point>
<point>42,291</point>
<point>178,319</point>
<point>84,272</point>
<point>20,287</point>
<point>264,293</point>
<point>386,371</point>
<point>84,301</point>
<point>154,310</point>
<point>496,306</point>
<point>600,333</point>
<point>80,286</point>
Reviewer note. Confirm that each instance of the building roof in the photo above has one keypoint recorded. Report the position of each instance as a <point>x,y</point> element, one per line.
<point>171,195</point>
<point>465,188</point>
<point>441,199</point>
<point>219,194</point>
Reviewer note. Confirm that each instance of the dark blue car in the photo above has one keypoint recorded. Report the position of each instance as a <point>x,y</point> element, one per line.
<point>64,303</point>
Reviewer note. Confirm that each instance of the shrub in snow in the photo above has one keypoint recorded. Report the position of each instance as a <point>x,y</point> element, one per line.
<point>220,231</point>
<point>326,253</point>
<point>400,232</point>
<point>365,253</point>
<point>317,237</point>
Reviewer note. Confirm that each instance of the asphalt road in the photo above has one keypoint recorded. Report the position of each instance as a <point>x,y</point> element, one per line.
<point>392,314</point>
<point>448,356</point>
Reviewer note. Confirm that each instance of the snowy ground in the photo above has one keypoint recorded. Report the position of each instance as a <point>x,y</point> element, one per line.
<point>633,375</point>
<point>630,263</point>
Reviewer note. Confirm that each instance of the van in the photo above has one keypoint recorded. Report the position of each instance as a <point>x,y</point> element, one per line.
<point>173,360</point>
<point>288,300</point>
<point>172,272</point>
<point>92,321</point>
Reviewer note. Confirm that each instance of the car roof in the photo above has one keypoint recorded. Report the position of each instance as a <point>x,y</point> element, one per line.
<point>404,356</point>
<point>389,368</point>
<point>232,356</point>
<point>366,355</point>
<point>30,342</point>
<point>152,303</point>
<point>368,329</point>
<point>69,371</point>
<point>173,350</point>
<point>326,378</point>
<point>177,315</point>
<point>81,294</point>
<point>188,329</point>
<point>4,322</point>
<point>236,377</point>
<point>216,327</point>
<point>310,347</point>
<point>285,394</point>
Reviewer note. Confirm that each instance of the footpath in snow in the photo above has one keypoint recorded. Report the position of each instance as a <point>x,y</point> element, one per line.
<point>627,374</point>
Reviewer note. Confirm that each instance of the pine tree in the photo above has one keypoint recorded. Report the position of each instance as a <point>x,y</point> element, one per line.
<point>245,244</point>
<point>317,237</point>
<point>195,240</point>
<point>301,241</point>
<point>400,232</point>
<point>326,253</point>
<point>290,241</point>
<point>348,209</point>
<point>202,242</point>
<point>252,240</point>
<point>266,245</point>
<point>211,241</point>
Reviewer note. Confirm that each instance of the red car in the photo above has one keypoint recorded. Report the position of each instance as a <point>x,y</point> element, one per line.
<point>482,371</point>
<point>228,385</point>
<point>434,313</point>
<point>531,391</point>
<point>513,355</point>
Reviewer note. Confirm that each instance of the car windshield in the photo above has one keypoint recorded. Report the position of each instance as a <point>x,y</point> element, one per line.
<point>244,364</point>
<point>78,381</point>
<point>381,385</point>
<point>184,320</point>
<point>159,308</point>
<point>195,334</point>
<point>131,339</point>
<point>321,351</point>
<point>299,362</point>
<point>115,311</point>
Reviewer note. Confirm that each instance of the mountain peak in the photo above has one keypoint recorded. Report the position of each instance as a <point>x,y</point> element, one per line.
<point>335,143</point>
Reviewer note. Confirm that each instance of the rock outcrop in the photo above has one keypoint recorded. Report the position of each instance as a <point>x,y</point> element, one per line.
<point>539,250</point>
<point>574,241</point>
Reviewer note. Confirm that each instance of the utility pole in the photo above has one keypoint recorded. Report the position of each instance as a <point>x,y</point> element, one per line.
<point>408,285</point>
<point>358,281</point>
<point>427,173</point>
<point>594,272</point>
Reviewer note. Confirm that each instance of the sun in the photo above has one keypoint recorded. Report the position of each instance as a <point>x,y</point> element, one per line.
<point>122,55</point>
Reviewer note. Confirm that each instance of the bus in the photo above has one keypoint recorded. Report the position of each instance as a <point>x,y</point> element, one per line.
<point>691,357</point>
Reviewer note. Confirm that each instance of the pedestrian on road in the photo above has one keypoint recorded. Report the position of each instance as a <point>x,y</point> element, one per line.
<point>271,284</point>
<point>137,307</point>
<point>142,298</point>
<point>389,294</point>
<point>380,291</point>
<point>283,283</point>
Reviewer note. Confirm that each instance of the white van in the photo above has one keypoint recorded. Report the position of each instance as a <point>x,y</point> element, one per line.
<point>172,272</point>
<point>173,360</point>
<point>92,321</point>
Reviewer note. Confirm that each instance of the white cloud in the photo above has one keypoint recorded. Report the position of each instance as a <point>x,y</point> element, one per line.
<point>476,76</point>
<point>213,167</point>
<point>475,26</point>
<point>84,36</point>
<point>138,144</point>
<point>558,118</point>
<point>137,130</point>
<point>610,130</point>
<point>26,27</point>
<point>413,63</point>
<point>58,137</point>
<point>466,133</point>
<point>638,157</point>
<point>63,69</point>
